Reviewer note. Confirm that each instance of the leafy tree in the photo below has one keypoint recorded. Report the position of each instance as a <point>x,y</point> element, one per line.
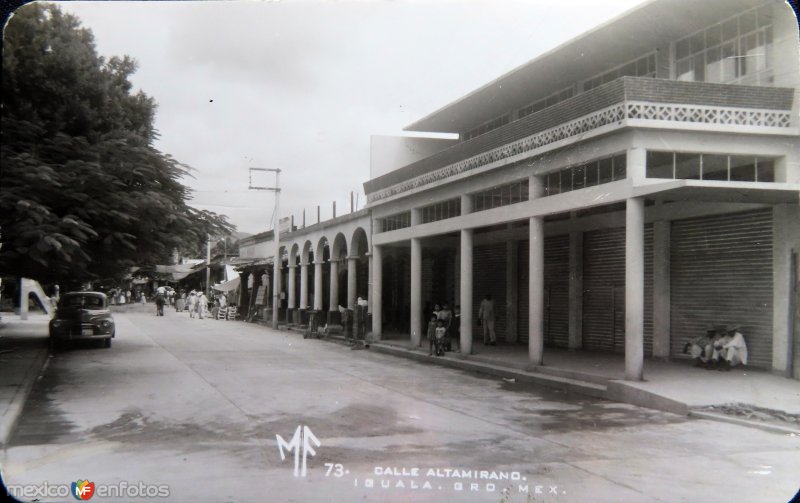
<point>83,192</point>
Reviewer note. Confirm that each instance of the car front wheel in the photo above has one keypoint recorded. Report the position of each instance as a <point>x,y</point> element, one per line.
<point>107,343</point>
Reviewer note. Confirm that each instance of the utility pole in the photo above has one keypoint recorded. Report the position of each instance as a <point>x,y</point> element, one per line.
<point>208,266</point>
<point>276,232</point>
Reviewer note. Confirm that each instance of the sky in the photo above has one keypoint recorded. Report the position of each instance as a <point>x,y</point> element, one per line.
<point>302,85</point>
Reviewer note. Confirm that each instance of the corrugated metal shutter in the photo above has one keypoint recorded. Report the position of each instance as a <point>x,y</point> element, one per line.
<point>489,276</point>
<point>721,273</point>
<point>556,289</point>
<point>604,290</point>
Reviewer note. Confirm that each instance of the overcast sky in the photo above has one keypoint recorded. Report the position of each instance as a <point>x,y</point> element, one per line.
<point>301,85</point>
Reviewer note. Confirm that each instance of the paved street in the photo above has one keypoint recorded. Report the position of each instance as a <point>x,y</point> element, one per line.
<point>196,405</point>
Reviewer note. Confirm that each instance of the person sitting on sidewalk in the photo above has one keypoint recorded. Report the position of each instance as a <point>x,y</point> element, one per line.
<point>701,347</point>
<point>730,350</point>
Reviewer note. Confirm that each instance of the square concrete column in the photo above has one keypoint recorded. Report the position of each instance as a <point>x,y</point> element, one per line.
<point>304,285</point>
<point>276,291</point>
<point>536,292</point>
<point>786,241</point>
<point>318,285</point>
<point>376,294</point>
<point>466,291</point>
<point>416,291</point>
<point>536,278</point>
<point>634,289</point>
<point>291,297</point>
<point>369,283</point>
<point>334,282</point>
<point>351,282</point>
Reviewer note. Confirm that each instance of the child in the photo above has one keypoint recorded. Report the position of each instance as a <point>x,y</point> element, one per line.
<point>441,334</point>
<point>431,334</point>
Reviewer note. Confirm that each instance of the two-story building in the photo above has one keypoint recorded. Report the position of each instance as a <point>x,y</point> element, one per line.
<point>619,193</point>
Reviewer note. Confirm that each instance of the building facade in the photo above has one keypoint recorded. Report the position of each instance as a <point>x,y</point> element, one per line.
<point>619,193</point>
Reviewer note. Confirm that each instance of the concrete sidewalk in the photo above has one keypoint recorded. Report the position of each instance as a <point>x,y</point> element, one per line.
<point>23,353</point>
<point>744,395</point>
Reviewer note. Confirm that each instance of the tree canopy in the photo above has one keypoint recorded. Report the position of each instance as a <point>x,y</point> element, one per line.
<point>84,194</point>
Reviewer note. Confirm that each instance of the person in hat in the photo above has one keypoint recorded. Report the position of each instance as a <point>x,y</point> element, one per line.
<point>202,305</point>
<point>701,348</point>
<point>730,350</point>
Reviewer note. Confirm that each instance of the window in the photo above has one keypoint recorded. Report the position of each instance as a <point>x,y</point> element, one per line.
<point>644,66</point>
<point>440,211</point>
<point>719,167</point>
<point>585,175</point>
<point>398,221</point>
<point>546,102</point>
<point>486,127</point>
<point>737,50</point>
<point>503,195</point>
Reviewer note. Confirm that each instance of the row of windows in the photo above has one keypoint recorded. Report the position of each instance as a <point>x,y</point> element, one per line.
<point>687,166</point>
<point>737,50</point>
<point>500,196</point>
<point>586,175</point>
<point>398,221</point>
<point>441,211</point>
<point>642,67</point>
<point>546,102</point>
<point>485,128</point>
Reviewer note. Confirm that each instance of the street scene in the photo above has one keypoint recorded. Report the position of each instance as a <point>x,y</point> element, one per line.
<point>196,406</point>
<point>400,251</point>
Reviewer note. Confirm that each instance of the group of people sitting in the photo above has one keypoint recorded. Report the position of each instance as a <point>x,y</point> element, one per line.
<point>443,327</point>
<point>720,348</point>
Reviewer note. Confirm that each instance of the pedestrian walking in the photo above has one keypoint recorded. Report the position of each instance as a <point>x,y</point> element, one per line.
<point>486,317</point>
<point>192,303</point>
<point>180,302</point>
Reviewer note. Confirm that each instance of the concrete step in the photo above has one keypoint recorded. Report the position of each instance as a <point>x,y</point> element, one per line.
<point>469,364</point>
<point>544,369</point>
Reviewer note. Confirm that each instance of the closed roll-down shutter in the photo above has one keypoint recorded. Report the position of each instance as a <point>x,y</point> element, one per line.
<point>721,273</point>
<point>556,291</point>
<point>604,290</point>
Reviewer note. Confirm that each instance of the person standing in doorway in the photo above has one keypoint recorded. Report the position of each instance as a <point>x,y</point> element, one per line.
<point>486,316</point>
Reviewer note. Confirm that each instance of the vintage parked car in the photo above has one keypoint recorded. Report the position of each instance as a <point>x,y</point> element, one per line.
<point>82,316</point>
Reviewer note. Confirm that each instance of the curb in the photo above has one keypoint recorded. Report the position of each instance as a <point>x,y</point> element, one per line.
<point>9,420</point>
<point>772,428</point>
<point>464,363</point>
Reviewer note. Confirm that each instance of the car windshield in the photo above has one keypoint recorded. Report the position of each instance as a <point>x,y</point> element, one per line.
<point>90,301</point>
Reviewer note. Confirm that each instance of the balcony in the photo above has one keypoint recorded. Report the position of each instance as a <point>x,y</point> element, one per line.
<point>630,101</point>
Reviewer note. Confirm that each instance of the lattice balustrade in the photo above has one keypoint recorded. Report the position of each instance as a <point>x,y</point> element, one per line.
<point>615,114</point>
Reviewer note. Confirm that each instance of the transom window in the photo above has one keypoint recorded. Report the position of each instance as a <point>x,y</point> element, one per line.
<point>599,171</point>
<point>737,50</point>
<point>502,195</point>
<point>689,166</point>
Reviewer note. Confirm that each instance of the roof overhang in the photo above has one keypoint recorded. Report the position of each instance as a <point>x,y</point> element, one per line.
<point>721,192</point>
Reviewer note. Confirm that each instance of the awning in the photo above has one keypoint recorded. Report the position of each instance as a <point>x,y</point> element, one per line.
<point>228,285</point>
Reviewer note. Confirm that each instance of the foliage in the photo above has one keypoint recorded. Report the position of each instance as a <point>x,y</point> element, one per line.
<point>83,192</point>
